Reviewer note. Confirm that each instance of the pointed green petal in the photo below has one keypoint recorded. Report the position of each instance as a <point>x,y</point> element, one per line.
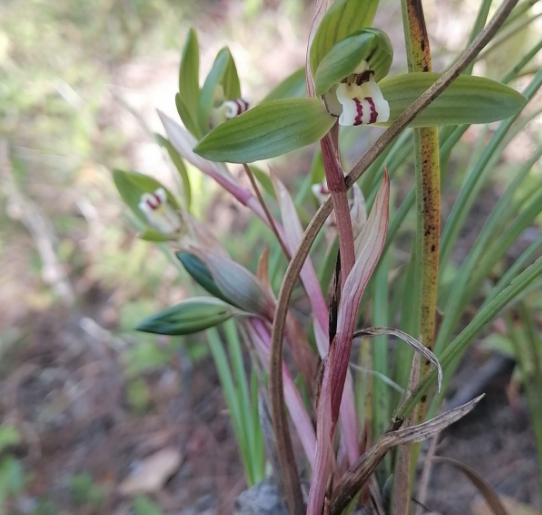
<point>468,99</point>
<point>343,18</point>
<point>269,130</point>
<point>371,45</point>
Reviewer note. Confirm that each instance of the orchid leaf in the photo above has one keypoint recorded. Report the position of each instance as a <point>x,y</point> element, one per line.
<point>268,130</point>
<point>468,100</point>
<point>370,45</point>
<point>222,80</point>
<point>188,96</point>
<point>343,18</point>
<point>190,316</point>
<point>293,86</point>
<point>132,185</point>
<point>189,70</point>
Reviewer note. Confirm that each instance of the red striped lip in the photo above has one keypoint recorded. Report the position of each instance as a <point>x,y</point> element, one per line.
<point>374,113</point>
<point>151,204</point>
<point>244,105</point>
<point>154,201</point>
<point>358,120</point>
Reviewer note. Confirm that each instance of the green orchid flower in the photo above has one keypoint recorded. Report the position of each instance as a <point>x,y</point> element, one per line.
<point>346,77</point>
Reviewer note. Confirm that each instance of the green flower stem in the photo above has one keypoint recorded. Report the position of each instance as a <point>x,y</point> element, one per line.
<point>427,186</point>
<point>427,242</point>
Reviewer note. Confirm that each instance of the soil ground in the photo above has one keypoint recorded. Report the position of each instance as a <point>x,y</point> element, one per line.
<point>72,410</point>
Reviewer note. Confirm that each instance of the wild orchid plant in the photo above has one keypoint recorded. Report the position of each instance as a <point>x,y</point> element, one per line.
<point>345,83</point>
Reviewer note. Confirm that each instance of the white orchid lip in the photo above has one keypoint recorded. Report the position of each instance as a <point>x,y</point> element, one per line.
<point>362,101</point>
<point>227,110</point>
<point>160,215</point>
<point>234,108</point>
<point>320,191</point>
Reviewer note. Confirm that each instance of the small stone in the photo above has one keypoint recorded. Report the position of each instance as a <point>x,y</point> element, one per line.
<point>261,499</point>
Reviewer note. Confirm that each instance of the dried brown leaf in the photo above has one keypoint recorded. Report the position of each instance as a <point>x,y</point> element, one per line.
<point>415,344</point>
<point>150,475</point>
<point>364,467</point>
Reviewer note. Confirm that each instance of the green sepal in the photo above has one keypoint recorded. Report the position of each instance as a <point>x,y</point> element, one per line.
<point>188,116</point>
<point>268,130</point>
<point>188,96</point>
<point>343,18</point>
<point>371,45</point>
<point>223,74</point>
<point>293,86</point>
<point>467,100</point>
<point>190,316</point>
<point>131,185</point>
<point>200,273</point>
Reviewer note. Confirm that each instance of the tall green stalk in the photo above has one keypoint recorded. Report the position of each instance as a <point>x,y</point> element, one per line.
<point>427,185</point>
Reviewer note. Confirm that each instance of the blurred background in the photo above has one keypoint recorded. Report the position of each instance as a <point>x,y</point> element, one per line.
<point>84,399</point>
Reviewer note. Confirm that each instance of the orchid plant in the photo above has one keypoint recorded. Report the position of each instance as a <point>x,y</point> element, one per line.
<point>345,83</point>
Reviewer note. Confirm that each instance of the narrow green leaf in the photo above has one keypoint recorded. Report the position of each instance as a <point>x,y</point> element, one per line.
<point>381,399</point>
<point>468,99</point>
<point>504,299</point>
<point>145,506</point>
<point>264,179</point>
<point>223,75</point>
<point>190,316</point>
<point>179,164</point>
<point>131,185</point>
<point>231,395</point>
<point>189,79</point>
<point>8,436</point>
<point>371,45</point>
<point>342,19</point>
<point>293,86</point>
<point>268,130</point>
<point>151,235</point>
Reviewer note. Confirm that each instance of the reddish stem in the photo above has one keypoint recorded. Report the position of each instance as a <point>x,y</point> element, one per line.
<point>339,197</point>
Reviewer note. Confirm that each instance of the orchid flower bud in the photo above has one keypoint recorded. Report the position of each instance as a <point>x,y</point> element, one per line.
<point>238,285</point>
<point>160,215</point>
